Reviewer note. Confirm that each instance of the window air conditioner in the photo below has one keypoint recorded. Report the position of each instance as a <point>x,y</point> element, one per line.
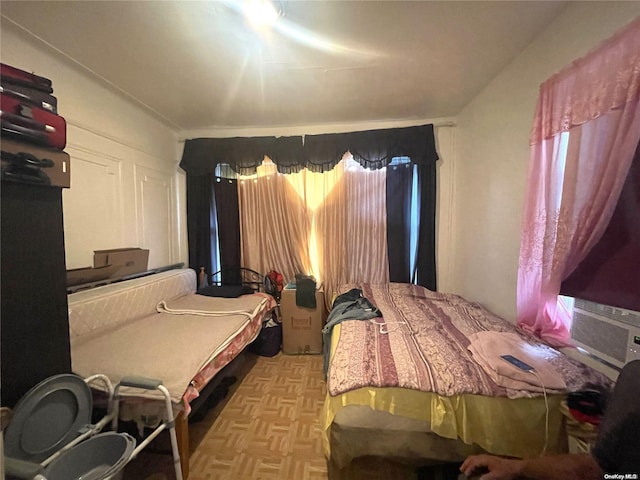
<point>609,333</point>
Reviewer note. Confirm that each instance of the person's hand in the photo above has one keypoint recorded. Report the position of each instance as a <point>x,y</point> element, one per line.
<point>493,468</point>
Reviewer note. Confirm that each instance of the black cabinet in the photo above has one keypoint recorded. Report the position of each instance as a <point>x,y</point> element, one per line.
<point>34,331</point>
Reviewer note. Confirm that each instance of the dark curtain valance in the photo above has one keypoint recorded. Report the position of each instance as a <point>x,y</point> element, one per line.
<point>372,149</point>
<point>243,154</point>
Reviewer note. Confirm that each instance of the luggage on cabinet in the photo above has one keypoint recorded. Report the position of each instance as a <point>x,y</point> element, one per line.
<point>31,96</point>
<point>24,163</point>
<point>15,76</point>
<point>29,123</point>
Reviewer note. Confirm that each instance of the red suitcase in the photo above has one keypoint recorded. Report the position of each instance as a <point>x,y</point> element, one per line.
<point>31,124</point>
<point>13,75</point>
<point>31,96</point>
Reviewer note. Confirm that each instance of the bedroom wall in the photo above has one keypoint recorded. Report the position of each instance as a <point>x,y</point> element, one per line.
<point>125,185</point>
<point>492,153</point>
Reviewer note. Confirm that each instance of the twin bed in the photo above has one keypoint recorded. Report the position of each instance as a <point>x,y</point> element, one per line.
<point>158,327</point>
<point>411,384</point>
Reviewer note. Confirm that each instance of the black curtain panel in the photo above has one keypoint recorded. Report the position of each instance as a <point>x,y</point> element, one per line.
<point>199,207</point>
<point>399,183</point>
<point>425,273</point>
<point>228,215</point>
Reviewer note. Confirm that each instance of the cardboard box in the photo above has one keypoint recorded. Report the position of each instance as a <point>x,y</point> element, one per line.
<point>127,260</point>
<point>301,326</point>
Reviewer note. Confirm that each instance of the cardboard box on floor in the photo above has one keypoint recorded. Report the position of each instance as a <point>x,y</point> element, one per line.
<point>126,260</point>
<point>301,326</point>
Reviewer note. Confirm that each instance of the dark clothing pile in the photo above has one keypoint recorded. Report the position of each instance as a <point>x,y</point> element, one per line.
<point>348,306</point>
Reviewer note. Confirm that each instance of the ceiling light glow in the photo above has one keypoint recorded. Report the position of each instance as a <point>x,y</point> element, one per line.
<point>260,12</point>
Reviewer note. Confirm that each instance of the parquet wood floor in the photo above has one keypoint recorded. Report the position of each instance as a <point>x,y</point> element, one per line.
<point>267,428</point>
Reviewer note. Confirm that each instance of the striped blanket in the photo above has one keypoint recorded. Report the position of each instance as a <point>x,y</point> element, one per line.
<point>422,341</point>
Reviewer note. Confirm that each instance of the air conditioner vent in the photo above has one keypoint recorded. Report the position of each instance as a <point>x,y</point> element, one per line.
<point>610,333</point>
<point>600,335</point>
<point>612,313</point>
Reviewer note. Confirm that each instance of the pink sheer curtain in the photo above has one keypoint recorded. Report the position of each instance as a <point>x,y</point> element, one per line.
<point>585,133</point>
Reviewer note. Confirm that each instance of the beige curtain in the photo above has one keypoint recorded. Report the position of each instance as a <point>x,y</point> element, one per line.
<point>351,229</point>
<point>274,224</point>
<point>331,225</point>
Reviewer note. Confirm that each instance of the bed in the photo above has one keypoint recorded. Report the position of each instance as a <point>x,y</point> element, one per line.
<point>405,385</point>
<point>158,327</point>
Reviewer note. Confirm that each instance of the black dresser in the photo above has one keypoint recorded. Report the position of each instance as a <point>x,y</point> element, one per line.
<point>34,328</point>
<point>34,331</point>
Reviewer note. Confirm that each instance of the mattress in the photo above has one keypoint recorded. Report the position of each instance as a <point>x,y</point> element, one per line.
<point>450,410</point>
<point>168,333</point>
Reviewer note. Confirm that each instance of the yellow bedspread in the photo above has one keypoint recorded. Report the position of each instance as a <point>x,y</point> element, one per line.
<point>514,427</point>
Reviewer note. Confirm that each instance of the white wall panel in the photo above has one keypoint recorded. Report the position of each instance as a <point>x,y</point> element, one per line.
<point>92,207</point>
<point>154,194</point>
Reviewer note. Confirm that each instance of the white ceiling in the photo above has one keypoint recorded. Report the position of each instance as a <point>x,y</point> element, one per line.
<point>198,64</point>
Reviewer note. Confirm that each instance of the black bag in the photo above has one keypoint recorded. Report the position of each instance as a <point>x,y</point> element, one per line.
<point>305,291</point>
<point>25,163</point>
<point>269,341</point>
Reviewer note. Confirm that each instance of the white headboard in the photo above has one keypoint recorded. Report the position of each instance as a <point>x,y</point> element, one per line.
<point>103,308</point>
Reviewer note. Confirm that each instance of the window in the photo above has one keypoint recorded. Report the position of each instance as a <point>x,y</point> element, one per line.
<point>329,224</point>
